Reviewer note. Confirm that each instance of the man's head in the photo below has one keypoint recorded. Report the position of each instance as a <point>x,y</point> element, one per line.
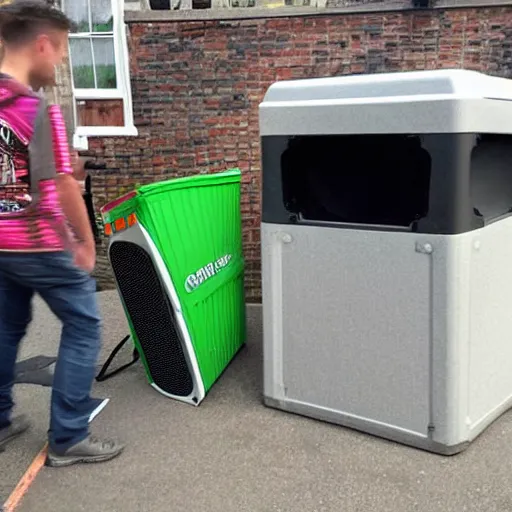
<point>34,35</point>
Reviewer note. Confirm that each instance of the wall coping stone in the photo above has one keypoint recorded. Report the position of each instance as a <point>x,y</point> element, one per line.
<point>249,13</point>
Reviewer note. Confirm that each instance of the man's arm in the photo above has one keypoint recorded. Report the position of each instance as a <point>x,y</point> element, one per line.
<point>70,195</point>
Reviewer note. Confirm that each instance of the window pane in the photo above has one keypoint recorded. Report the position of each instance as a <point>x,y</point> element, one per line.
<point>102,19</point>
<point>105,62</point>
<point>81,59</point>
<point>100,113</point>
<point>78,11</point>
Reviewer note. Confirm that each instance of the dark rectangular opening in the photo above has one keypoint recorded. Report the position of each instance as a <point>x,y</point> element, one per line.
<point>159,5</point>
<point>201,4</point>
<point>491,176</point>
<point>357,179</point>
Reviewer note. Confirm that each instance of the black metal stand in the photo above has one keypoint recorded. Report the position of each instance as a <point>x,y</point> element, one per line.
<point>103,375</point>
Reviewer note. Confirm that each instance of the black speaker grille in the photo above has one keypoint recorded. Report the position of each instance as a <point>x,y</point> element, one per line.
<point>152,317</point>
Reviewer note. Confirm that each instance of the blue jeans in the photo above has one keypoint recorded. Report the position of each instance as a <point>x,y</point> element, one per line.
<point>71,295</point>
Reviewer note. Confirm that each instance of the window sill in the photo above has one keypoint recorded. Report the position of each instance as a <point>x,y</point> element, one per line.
<point>106,131</point>
<point>82,134</point>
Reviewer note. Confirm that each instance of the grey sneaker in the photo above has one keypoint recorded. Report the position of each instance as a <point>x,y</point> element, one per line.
<point>18,425</point>
<point>89,450</point>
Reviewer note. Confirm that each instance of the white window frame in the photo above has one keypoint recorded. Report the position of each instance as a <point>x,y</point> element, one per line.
<point>122,92</point>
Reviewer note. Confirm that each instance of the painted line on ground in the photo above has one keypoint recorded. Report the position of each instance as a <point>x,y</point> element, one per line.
<point>14,500</point>
<point>37,464</point>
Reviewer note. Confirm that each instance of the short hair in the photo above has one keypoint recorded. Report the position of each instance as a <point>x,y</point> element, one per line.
<point>23,20</point>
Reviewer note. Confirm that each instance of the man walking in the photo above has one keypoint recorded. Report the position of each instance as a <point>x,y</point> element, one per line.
<point>46,243</point>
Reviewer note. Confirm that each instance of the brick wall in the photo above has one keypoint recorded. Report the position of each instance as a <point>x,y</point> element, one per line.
<point>197,86</point>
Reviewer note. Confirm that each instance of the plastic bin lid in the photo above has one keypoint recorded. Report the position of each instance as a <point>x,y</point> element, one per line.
<point>454,82</point>
<point>442,101</point>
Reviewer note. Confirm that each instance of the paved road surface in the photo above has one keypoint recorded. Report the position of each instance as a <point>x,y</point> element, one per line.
<point>233,455</point>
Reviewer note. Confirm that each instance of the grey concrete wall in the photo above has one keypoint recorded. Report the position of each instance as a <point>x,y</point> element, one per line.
<point>62,93</point>
<point>139,9</point>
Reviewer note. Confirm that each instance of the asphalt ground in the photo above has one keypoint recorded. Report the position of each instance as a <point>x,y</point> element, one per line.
<point>232,454</point>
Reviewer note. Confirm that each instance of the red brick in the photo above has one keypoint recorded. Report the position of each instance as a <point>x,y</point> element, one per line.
<point>185,76</point>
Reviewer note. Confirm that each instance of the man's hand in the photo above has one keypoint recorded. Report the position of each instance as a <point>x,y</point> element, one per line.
<point>85,256</point>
